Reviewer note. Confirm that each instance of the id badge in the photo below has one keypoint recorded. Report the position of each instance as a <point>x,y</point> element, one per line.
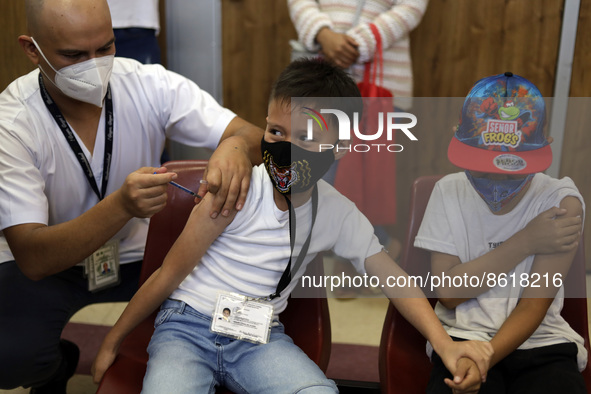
<point>102,267</point>
<point>241,317</point>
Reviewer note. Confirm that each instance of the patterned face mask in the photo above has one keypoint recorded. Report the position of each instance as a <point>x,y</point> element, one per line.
<point>498,193</point>
<point>293,169</point>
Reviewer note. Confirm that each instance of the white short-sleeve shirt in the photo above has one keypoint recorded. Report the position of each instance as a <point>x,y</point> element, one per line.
<point>41,180</point>
<point>458,222</point>
<point>251,254</point>
<point>135,13</point>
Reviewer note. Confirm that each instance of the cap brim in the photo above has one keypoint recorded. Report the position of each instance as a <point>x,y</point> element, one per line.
<point>482,160</point>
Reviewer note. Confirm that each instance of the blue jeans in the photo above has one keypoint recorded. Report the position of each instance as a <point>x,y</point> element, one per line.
<point>185,357</point>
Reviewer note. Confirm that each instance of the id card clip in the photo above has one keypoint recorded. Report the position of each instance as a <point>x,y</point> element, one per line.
<point>102,267</point>
<point>241,317</point>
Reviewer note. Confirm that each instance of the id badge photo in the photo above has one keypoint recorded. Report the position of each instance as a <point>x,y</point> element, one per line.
<point>241,317</point>
<point>102,267</point>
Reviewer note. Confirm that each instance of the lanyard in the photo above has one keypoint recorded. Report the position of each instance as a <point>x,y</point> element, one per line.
<point>286,276</point>
<point>69,135</point>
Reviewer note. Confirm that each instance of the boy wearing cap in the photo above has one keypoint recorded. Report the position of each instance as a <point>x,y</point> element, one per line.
<point>509,225</point>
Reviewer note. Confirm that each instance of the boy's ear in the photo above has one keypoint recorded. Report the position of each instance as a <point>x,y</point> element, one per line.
<point>341,149</point>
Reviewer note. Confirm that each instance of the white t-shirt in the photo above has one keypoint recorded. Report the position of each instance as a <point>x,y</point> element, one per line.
<point>135,13</point>
<point>458,222</point>
<point>41,178</point>
<point>251,254</point>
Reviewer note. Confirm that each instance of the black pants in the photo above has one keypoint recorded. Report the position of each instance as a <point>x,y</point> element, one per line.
<point>34,313</point>
<point>549,369</point>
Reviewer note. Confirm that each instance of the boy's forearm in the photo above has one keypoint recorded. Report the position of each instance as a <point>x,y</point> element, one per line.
<point>552,236</point>
<point>498,261</point>
<point>147,299</point>
<point>519,326</point>
<point>420,314</point>
<point>409,301</point>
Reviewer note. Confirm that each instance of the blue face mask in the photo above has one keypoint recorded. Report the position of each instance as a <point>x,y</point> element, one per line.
<point>498,193</point>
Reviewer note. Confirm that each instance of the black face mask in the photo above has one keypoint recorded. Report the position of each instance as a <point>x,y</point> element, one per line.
<point>293,169</point>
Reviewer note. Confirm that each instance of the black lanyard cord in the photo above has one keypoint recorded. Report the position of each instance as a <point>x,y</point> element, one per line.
<point>286,276</point>
<point>71,138</point>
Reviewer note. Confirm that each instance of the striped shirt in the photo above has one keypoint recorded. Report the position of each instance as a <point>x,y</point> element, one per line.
<point>393,18</point>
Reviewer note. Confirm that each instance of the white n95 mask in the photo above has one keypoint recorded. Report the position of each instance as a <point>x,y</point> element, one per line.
<point>86,81</point>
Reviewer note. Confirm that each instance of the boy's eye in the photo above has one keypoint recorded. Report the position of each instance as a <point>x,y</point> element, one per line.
<point>275,132</point>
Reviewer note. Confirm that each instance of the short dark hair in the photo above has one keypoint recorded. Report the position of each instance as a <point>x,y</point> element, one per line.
<point>315,77</point>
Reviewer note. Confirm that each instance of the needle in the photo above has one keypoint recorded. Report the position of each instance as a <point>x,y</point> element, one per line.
<point>191,192</point>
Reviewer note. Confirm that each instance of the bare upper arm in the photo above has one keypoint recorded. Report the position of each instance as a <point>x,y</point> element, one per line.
<point>440,264</point>
<point>549,270</point>
<point>573,206</point>
<point>199,233</point>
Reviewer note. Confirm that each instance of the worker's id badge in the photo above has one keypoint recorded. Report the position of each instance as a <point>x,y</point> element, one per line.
<point>102,267</point>
<point>241,317</point>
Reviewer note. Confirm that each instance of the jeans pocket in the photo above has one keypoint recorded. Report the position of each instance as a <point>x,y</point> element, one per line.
<point>162,316</point>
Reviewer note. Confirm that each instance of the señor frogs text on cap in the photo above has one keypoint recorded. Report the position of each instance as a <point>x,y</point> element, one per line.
<point>501,128</point>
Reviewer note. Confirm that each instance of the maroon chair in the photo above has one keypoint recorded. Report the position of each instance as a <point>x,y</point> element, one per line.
<point>306,320</point>
<point>404,367</point>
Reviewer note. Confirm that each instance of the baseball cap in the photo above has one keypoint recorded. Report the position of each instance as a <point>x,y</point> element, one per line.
<point>501,128</point>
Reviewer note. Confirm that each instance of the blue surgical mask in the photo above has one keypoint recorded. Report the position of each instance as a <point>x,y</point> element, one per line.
<point>498,193</point>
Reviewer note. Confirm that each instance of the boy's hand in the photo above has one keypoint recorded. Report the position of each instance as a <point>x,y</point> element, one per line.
<point>467,377</point>
<point>479,352</point>
<point>104,359</point>
<point>551,232</point>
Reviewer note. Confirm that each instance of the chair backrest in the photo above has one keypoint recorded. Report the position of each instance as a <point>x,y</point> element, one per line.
<point>167,225</point>
<point>403,364</point>
<point>574,309</point>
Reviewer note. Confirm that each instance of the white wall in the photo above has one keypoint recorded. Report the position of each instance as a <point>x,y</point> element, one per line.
<point>194,49</point>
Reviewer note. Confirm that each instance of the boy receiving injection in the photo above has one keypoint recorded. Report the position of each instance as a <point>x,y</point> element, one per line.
<point>248,259</point>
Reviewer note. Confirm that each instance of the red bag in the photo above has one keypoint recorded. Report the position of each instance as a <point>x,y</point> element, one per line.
<point>369,178</point>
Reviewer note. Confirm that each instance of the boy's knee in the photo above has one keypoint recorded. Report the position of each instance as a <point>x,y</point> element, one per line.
<point>327,387</point>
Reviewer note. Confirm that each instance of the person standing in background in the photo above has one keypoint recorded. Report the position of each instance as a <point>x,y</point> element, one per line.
<point>136,24</point>
<point>327,26</point>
